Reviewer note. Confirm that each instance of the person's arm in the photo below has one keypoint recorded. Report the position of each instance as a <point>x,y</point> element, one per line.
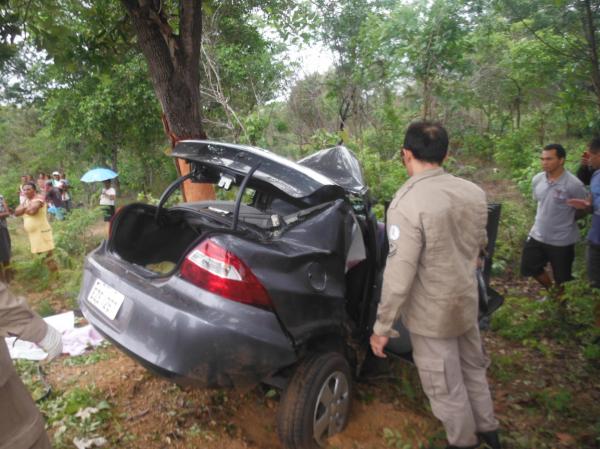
<point>581,201</point>
<point>34,205</point>
<point>534,183</point>
<point>18,320</point>
<point>406,243</point>
<point>20,210</point>
<point>584,171</point>
<point>112,194</point>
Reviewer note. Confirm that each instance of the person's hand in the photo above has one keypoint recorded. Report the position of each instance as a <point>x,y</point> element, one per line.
<point>51,343</point>
<point>579,203</point>
<point>585,158</point>
<point>378,342</point>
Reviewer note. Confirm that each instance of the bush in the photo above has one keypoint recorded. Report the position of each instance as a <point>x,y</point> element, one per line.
<point>515,150</point>
<point>74,236</point>
<point>515,222</point>
<point>477,145</point>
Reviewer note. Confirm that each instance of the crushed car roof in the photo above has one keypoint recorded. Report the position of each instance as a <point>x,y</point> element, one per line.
<point>339,164</point>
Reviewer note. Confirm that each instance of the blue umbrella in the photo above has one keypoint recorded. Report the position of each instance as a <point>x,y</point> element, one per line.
<point>98,174</point>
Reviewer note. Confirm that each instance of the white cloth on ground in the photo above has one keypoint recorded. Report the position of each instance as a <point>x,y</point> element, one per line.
<point>75,340</point>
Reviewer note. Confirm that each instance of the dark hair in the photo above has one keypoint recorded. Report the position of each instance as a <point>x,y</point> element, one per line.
<point>32,184</point>
<point>560,150</point>
<point>428,141</point>
<point>594,145</point>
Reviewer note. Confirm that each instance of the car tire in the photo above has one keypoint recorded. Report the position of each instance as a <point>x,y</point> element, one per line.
<point>316,402</point>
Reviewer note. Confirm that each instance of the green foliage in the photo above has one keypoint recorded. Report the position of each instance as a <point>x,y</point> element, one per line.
<point>255,126</point>
<point>77,413</point>
<point>515,222</point>
<point>44,308</point>
<point>89,358</point>
<point>74,235</point>
<point>567,317</point>
<point>31,374</point>
<point>514,150</point>
<point>505,366</point>
<point>394,438</point>
<point>554,402</point>
<point>477,145</point>
<point>33,272</point>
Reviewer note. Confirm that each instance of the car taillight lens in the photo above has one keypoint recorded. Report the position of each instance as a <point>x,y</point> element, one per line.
<point>219,271</point>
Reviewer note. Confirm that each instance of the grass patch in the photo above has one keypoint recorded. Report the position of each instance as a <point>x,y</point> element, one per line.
<point>505,367</point>
<point>90,358</point>
<point>79,413</point>
<point>567,318</point>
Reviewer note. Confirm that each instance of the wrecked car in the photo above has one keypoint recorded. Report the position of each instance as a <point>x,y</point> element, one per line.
<point>274,282</point>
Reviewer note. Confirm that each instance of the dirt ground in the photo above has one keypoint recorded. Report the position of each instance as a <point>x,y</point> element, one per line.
<point>390,411</point>
<point>152,413</point>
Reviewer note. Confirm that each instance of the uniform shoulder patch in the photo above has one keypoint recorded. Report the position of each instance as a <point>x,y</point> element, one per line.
<point>394,232</point>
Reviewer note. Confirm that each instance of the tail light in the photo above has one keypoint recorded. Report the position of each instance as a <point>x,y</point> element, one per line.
<point>219,271</point>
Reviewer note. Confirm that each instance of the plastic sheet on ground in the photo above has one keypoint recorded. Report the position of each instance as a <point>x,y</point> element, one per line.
<point>75,339</point>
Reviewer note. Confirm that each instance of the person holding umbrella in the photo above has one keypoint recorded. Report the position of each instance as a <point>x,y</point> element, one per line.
<point>107,200</point>
<point>108,194</point>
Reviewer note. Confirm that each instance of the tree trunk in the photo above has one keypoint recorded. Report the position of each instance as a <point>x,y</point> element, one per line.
<point>589,28</point>
<point>426,98</point>
<point>114,163</point>
<point>174,65</point>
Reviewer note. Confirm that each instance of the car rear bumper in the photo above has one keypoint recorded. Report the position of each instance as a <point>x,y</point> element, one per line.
<point>185,333</point>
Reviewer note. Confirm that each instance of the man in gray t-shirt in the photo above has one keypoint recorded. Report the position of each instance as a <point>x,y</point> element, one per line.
<point>554,233</point>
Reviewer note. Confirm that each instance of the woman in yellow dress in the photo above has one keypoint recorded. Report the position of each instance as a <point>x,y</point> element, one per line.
<point>36,224</point>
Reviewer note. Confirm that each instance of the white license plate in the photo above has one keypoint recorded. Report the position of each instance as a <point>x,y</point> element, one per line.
<point>106,299</point>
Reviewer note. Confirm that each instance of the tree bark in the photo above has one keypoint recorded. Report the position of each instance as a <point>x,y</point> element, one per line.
<point>590,31</point>
<point>174,65</point>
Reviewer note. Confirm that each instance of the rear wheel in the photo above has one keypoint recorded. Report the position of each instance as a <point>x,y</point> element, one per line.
<point>316,403</point>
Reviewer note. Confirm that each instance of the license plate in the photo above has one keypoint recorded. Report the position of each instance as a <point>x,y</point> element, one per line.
<point>106,299</point>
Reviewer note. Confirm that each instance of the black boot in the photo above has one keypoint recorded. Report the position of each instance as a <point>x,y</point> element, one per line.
<point>491,439</point>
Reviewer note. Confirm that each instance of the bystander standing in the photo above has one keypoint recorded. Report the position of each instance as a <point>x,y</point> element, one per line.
<point>107,200</point>
<point>36,225</point>
<point>54,199</point>
<point>592,205</point>
<point>554,233</point>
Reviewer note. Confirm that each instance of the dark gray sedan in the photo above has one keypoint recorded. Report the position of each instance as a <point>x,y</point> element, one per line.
<point>275,282</point>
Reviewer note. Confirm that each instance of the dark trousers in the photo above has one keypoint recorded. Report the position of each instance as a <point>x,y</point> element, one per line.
<point>537,254</point>
<point>593,264</point>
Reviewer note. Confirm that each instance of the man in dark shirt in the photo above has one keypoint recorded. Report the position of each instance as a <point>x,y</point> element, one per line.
<point>592,205</point>
<point>585,170</point>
